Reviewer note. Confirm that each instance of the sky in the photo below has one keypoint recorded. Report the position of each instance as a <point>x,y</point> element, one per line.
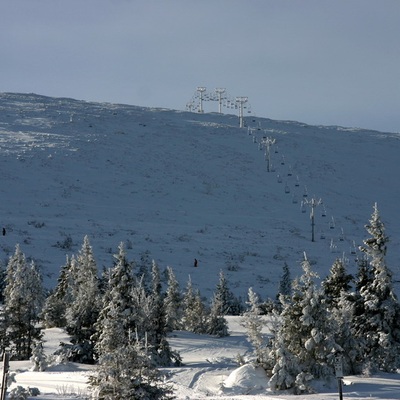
<point>323,62</point>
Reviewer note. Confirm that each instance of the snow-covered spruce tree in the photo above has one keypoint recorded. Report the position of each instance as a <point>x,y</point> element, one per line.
<point>253,323</point>
<point>285,284</point>
<point>149,325</point>
<point>114,322</point>
<point>286,368</point>
<point>144,269</point>
<point>38,358</point>
<point>376,322</point>
<point>340,300</point>
<point>194,313</point>
<point>217,324</point>
<point>53,313</point>
<point>335,283</point>
<point>342,314</point>
<point>127,373</point>
<point>82,307</point>
<point>172,303</point>
<point>224,297</point>
<point>83,310</point>
<point>307,330</point>
<point>24,299</point>
<point>161,352</point>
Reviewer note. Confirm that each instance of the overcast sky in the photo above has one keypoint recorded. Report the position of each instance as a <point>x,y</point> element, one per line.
<point>329,62</point>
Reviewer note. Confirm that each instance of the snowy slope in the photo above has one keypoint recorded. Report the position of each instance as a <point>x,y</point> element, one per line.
<point>209,372</point>
<point>178,186</point>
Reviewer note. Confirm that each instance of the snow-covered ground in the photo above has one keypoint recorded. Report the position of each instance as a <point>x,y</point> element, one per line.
<point>210,371</point>
<point>175,186</point>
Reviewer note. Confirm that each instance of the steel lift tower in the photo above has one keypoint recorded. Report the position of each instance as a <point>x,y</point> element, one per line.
<point>220,92</point>
<point>201,90</point>
<point>241,100</point>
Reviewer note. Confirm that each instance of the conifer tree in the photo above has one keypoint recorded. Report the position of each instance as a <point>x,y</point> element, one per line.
<point>306,332</point>
<point>343,314</point>
<point>224,298</point>
<point>194,314</point>
<point>335,283</point>
<point>285,284</point>
<point>127,373</point>
<point>172,303</point>
<point>253,323</point>
<point>83,310</point>
<point>38,358</point>
<point>376,323</point>
<point>217,324</point>
<point>286,368</point>
<point>55,306</point>
<point>114,322</point>
<point>149,323</point>
<point>23,303</point>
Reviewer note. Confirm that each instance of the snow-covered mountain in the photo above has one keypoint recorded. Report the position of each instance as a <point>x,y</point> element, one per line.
<point>175,186</point>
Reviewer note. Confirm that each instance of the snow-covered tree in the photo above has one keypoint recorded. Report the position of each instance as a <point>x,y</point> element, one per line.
<point>224,297</point>
<point>83,310</point>
<point>217,324</point>
<point>253,323</point>
<point>376,322</point>
<point>342,314</point>
<point>194,314</point>
<point>53,313</point>
<point>285,284</point>
<point>38,358</point>
<point>172,303</point>
<point>127,373</point>
<point>23,303</point>
<point>286,367</point>
<point>114,322</point>
<point>149,325</point>
<point>131,313</point>
<point>306,331</point>
<point>336,282</point>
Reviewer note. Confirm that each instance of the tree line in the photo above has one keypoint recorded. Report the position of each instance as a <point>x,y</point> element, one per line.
<point>120,320</point>
<point>354,318</point>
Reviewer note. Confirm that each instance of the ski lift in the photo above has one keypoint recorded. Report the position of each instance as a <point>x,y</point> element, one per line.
<point>287,188</point>
<point>322,235</point>
<point>289,171</point>
<point>294,199</point>
<point>297,184</point>
<point>323,214</point>
<point>279,178</point>
<point>341,237</point>
<point>305,194</point>
<point>332,224</point>
<point>276,149</point>
<point>302,207</point>
<point>283,160</point>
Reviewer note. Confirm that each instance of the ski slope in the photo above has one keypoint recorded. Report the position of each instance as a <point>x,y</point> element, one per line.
<point>175,186</point>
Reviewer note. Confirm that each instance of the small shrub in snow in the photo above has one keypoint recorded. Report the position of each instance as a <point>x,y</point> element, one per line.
<point>80,353</point>
<point>19,393</point>
<point>33,391</point>
<point>38,358</point>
